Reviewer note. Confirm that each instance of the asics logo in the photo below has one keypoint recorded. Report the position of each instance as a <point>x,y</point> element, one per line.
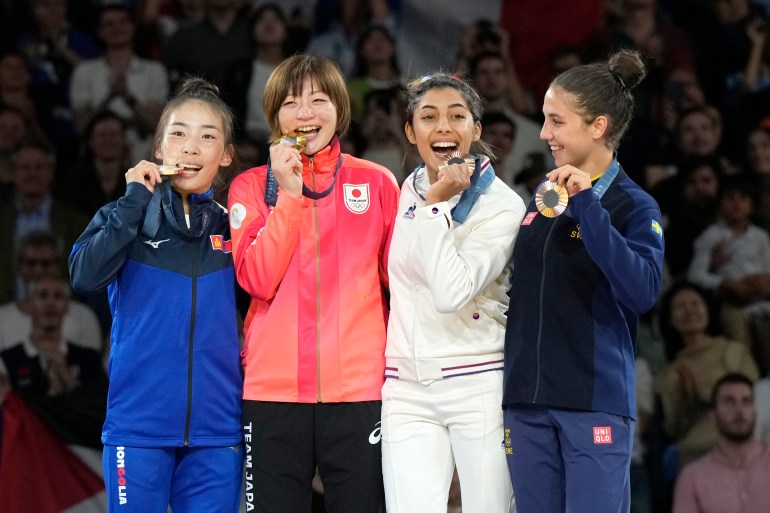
<point>155,243</point>
<point>374,436</point>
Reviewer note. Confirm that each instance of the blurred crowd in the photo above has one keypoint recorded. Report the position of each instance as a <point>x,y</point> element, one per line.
<point>82,85</point>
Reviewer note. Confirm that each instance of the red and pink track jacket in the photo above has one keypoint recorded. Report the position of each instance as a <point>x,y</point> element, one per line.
<point>316,273</point>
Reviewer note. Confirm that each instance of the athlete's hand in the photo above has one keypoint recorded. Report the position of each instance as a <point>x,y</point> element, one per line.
<point>286,164</point>
<point>147,173</point>
<point>452,178</point>
<point>570,177</point>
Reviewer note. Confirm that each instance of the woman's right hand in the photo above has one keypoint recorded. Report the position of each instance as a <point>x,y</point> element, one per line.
<point>286,164</point>
<point>146,173</point>
<point>452,179</point>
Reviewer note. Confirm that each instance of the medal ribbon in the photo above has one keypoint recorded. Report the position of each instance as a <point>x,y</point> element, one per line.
<point>271,186</point>
<point>604,182</point>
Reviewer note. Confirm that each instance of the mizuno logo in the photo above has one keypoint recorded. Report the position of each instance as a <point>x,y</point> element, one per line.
<point>155,243</point>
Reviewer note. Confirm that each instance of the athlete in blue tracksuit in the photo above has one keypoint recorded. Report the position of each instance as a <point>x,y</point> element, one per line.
<point>580,280</point>
<point>172,433</point>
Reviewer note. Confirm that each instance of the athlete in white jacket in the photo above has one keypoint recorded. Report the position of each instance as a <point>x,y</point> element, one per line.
<point>448,274</point>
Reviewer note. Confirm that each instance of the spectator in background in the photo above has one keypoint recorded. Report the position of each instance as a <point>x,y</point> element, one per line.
<point>530,176</point>
<point>98,176</point>
<point>13,130</point>
<point>32,208</point>
<point>54,48</point>
<point>565,57</point>
<point>757,168</point>
<point>211,47</point>
<point>133,88</point>
<point>735,473</point>
<point>166,17</point>
<point>731,258</point>
<point>681,91</point>
<point>246,79</point>
<point>482,37</point>
<point>41,254</point>
<point>383,132</point>
<point>696,208</point>
<point>642,26</point>
<point>698,134</point>
<point>490,78</point>
<point>45,361</point>
<point>698,357</point>
<point>338,42</point>
<point>16,92</point>
<point>500,134</point>
<point>376,69</point>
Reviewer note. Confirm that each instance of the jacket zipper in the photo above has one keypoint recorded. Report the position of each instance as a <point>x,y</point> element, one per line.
<point>540,314</point>
<point>317,284</point>
<point>190,344</point>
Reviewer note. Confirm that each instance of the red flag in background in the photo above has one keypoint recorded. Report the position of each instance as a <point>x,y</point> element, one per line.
<point>37,470</point>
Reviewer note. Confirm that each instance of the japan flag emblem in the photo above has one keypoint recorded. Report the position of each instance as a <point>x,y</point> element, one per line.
<point>356,197</point>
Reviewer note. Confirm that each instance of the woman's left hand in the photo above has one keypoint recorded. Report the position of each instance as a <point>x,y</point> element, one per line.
<point>570,177</point>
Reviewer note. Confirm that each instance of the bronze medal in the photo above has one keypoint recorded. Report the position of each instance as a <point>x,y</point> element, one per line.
<point>457,157</point>
<point>551,199</point>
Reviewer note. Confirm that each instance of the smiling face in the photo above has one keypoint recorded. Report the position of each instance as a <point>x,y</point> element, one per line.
<point>689,313</point>
<point>194,139</point>
<point>571,139</point>
<point>441,124</point>
<point>313,113</point>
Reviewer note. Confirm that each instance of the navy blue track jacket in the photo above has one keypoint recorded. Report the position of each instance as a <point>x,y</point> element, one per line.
<point>579,283</point>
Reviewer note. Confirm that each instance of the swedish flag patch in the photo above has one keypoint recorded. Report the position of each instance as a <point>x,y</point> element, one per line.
<point>656,228</point>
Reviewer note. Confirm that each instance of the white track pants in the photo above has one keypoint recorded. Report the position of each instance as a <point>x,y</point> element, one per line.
<point>428,428</point>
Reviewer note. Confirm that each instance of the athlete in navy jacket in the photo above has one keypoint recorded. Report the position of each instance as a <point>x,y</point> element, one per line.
<point>580,280</point>
<point>172,433</point>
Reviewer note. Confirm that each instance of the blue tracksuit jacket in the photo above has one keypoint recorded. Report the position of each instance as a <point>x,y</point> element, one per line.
<point>579,283</point>
<point>174,360</point>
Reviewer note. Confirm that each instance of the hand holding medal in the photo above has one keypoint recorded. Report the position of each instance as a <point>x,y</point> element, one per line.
<point>552,196</point>
<point>453,177</point>
<point>286,162</point>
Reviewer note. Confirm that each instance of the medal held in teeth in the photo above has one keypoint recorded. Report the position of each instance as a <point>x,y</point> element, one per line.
<point>170,170</point>
<point>551,199</point>
<point>297,140</point>
<point>457,157</point>
<point>167,170</point>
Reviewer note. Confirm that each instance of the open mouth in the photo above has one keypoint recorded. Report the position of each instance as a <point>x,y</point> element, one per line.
<point>179,169</point>
<point>444,148</point>
<point>308,130</point>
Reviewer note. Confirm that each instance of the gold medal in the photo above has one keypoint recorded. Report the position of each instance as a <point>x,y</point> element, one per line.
<point>170,170</point>
<point>297,140</point>
<point>457,157</point>
<point>551,199</point>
